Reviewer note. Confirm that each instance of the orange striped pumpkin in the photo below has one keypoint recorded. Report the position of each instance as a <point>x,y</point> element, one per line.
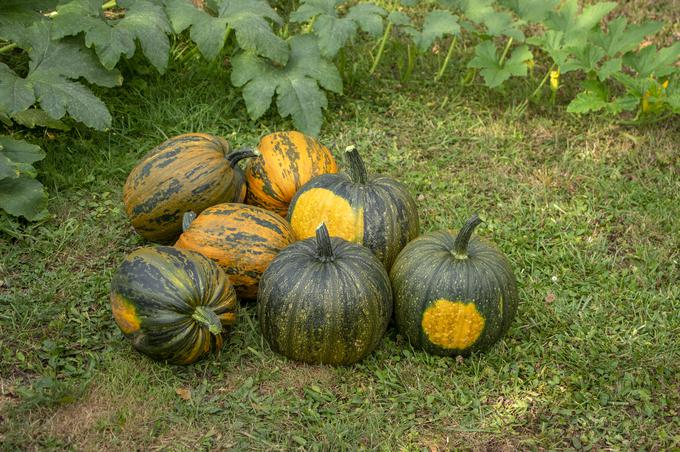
<point>242,239</point>
<point>287,161</point>
<point>187,172</point>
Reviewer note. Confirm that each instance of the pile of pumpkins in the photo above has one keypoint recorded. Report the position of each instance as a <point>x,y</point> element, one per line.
<point>329,257</point>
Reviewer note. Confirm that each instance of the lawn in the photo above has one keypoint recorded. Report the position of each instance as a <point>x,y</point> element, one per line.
<point>585,209</point>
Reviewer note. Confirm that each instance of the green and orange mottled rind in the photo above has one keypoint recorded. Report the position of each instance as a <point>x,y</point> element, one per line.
<point>242,239</point>
<point>154,294</point>
<point>288,160</point>
<point>452,324</point>
<point>187,172</point>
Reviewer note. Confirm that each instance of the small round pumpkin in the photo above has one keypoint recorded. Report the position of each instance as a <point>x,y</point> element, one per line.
<point>173,305</point>
<point>190,171</point>
<point>242,239</point>
<point>324,300</point>
<point>453,294</point>
<point>379,212</point>
<point>287,161</point>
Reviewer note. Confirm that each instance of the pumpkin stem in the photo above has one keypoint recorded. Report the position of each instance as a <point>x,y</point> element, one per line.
<point>357,170</point>
<point>460,246</point>
<point>324,247</point>
<point>234,157</point>
<point>187,219</point>
<point>207,317</point>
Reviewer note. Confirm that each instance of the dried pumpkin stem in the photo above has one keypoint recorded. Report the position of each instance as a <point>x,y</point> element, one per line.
<point>241,154</point>
<point>356,167</point>
<point>324,247</point>
<point>460,246</point>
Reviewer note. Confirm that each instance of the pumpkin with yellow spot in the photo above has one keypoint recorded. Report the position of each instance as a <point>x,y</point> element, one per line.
<point>377,212</point>
<point>287,161</point>
<point>242,239</point>
<point>453,294</point>
<point>173,305</point>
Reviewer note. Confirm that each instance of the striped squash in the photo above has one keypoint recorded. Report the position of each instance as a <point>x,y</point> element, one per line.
<point>243,239</point>
<point>453,294</point>
<point>324,300</point>
<point>287,161</point>
<point>173,305</point>
<point>379,213</point>
<point>190,171</point>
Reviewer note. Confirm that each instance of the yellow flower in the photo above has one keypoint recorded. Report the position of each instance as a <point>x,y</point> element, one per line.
<point>555,79</point>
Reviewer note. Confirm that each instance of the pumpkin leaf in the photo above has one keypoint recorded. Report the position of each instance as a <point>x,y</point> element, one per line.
<point>36,117</point>
<point>333,31</point>
<point>16,93</point>
<point>530,10</point>
<point>207,31</point>
<point>437,24</point>
<point>20,193</point>
<point>497,23</point>
<point>248,18</point>
<point>297,85</point>
<point>621,37</point>
<point>494,72</point>
<point>649,61</point>
<point>575,26</point>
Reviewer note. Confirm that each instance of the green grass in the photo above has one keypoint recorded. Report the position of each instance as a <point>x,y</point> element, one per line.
<point>586,210</point>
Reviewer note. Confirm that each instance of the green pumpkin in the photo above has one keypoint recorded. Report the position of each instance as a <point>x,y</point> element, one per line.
<point>378,213</point>
<point>174,305</point>
<point>324,300</point>
<point>453,294</point>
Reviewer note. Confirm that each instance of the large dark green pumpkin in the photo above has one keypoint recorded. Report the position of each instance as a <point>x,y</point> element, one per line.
<point>174,305</point>
<point>378,213</point>
<point>188,172</point>
<point>324,300</point>
<point>453,294</point>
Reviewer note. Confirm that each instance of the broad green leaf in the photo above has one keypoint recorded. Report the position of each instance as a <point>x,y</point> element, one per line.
<point>208,32</point>
<point>486,59</point>
<point>20,151</point>
<point>648,61</point>
<point>23,196</point>
<point>368,17</point>
<point>399,18</point>
<point>620,39</point>
<point>584,58</point>
<point>148,23</point>
<point>297,85</point>
<point>57,95</point>
<point>608,68</point>
<point>312,8</point>
<point>575,26</point>
<point>502,24</point>
<point>551,42</point>
<point>586,101</point>
<point>248,18</point>
<point>76,16</point>
<point>333,33</point>
<point>35,117</point>
<point>530,10</point>
<point>16,93</point>
<point>437,24</point>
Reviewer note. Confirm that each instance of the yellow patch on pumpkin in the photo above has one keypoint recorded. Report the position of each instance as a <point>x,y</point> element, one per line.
<point>125,314</point>
<point>319,205</point>
<point>452,324</point>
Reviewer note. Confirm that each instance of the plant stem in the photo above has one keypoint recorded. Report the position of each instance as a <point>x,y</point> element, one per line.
<point>505,52</point>
<point>386,35</point>
<point>545,79</point>
<point>8,47</point>
<point>324,246</point>
<point>108,5</point>
<point>311,24</point>
<point>440,73</point>
<point>460,245</point>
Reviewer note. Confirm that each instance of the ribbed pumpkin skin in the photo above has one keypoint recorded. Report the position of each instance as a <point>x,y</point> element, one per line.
<point>447,305</point>
<point>242,239</point>
<point>378,213</point>
<point>288,160</point>
<point>155,294</point>
<point>332,312</point>
<point>187,172</point>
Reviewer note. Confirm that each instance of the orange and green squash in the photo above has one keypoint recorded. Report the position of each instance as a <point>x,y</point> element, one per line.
<point>287,161</point>
<point>188,172</point>
<point>324,300</point>
<point>453,294</point>
<point>173,305</point>
<point>242,239</point>
<point>378,212</point>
